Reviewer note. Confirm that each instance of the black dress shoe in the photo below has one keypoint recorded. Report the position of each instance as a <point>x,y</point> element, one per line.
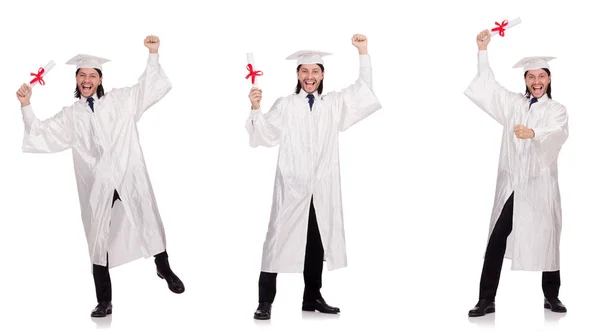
<point>483,307</point>
<point>175,284</point>
<point>102,309</point>
<point>319,305</point>
<point>555,305</point>
<point>263,312</point>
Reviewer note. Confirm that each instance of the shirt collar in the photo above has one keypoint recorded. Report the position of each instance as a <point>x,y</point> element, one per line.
<point>83,99</point>
<point>303,93</point>
<point>541,99</point>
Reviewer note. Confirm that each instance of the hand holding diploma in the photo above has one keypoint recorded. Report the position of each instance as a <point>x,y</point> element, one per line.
<point>255,97</point>
<point>24,92</point>
<point>24,95</point>
<point>483,40</point>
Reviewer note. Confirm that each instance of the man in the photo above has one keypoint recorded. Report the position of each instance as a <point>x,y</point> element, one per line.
<point>101,131</point>
<point>306,225</point>
<point>526,220</point>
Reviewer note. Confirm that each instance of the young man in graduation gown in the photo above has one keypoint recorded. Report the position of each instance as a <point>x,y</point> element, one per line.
<point>118,208</point>
<point>306,225</point>
<point>526,219</point>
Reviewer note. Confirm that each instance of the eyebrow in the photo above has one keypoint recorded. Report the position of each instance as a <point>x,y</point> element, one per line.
<point>317,70</point>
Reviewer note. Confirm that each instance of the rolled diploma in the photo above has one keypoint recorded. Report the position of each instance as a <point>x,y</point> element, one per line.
<point>250,57</point>
<point>509,25</point>
<point>47,68</point>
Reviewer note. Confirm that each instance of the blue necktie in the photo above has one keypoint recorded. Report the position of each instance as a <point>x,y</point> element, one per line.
<point>311,100</point>
<point>532,101</point>
<point>90,101</point>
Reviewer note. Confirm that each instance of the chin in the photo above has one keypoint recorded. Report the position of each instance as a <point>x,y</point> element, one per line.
<point>312,90</point>
<point>89,94</point>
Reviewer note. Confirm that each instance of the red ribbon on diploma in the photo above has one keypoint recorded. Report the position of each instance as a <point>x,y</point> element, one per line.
<point>38,76</point>
<point>500,27</point>
<point>253,73</point>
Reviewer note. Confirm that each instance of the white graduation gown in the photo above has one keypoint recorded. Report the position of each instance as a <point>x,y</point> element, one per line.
<point>526,166</point>
<point>308,165</point>
<point>107,155</point>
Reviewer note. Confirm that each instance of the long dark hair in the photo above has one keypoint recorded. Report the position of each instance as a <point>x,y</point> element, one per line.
<point>299,85</point>
<point>99,90</point>
<point>548,91</point>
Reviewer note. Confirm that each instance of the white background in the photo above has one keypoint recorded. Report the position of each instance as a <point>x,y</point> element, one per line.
<point>418,176</point>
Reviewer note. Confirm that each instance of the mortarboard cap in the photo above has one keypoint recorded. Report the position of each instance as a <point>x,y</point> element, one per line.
<point>534,62</point>
<point>308,57</point>
<point>87,61</point>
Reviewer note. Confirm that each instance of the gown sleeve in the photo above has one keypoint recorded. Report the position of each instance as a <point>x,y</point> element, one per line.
<point>151,87</point>
<point>265,129</point>
<point>358,100</point>
<point>46,136</point>
<point>488,94</point>
<point>549,139</point>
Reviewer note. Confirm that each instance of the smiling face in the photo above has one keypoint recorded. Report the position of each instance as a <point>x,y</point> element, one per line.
<point>310,77</point>
<point>88,80</point>
<point>537,81</point>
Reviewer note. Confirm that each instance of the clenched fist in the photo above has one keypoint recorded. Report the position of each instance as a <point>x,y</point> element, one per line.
<point>255,96</point>
<point>523,132</point>
<point>360,42</point>
<point>24,95</point>
<point>152,43</point>
<point>483,39</point>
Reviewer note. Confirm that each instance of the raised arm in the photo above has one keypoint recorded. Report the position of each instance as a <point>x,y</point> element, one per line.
<point>47,136</point>
<point>485,91</point>
<point>152,85</point>
<point>358,100</point>
<point>264,129</point>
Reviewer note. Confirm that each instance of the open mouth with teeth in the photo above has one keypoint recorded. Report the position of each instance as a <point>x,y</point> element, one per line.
<point>310,84</point>
<point>86,89</point>
<point>537,89</point>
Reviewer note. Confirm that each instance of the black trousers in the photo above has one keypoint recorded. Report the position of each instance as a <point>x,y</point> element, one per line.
<point>494,256</point>
<point>313,266</point>
<point>102,277</point>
